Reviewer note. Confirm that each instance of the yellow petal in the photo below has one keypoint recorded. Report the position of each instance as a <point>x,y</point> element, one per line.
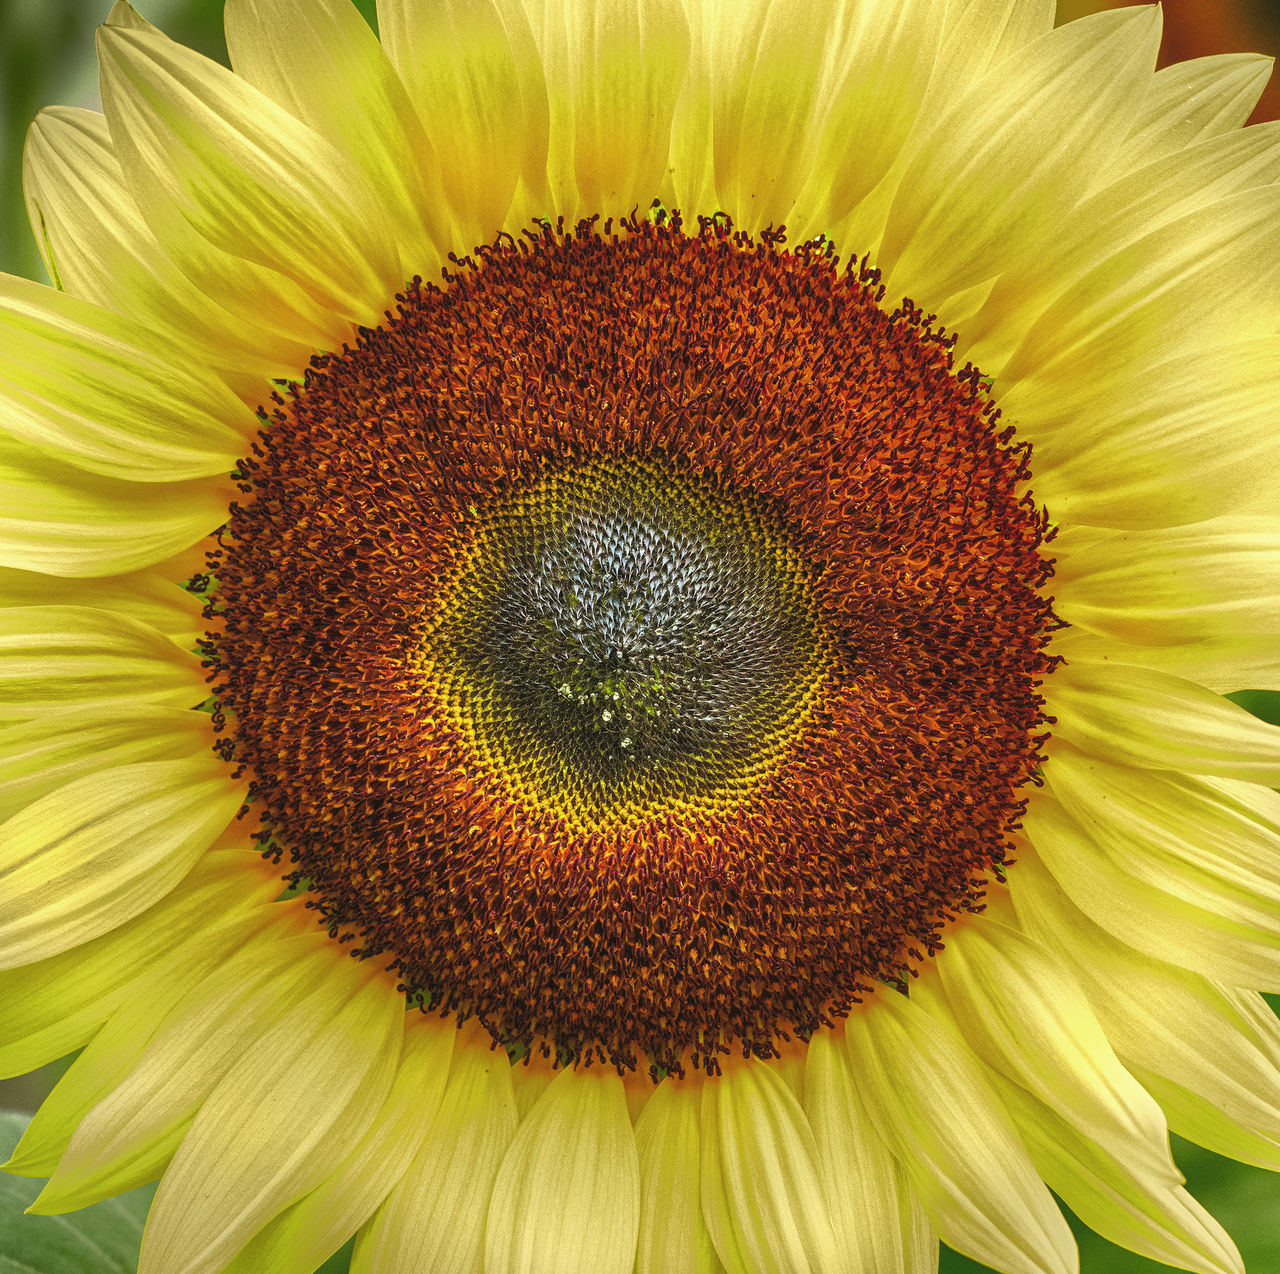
<point>762,1194</point>
<point>101,849</point>
<point>1173,585</point>
<point>266,1134</point>
<point>1011,156</point>
<point>878,1219</point>
<point>766,60</point>
<point>151,597</point>
<point>472,70</point>
<point>1224,663</point>
<point>1095,1135</point>
<point>613,71</point>
<point>1178,834</point>
<point>1112,219</point>
<point>566,1199</point>
<point>529,1081</point>
<point>433,1220</point>
<point>320,61</point>
<point>50,1008</point>
<point>673,1235</point>
<point>54,657</point>
<point>1144,914</point>
<point>129,1136</point>
<point>689,183</point>
<point>193,953</point>
<point>940,51</point>
<point>1120,712</point>
<point>40,755</point>
<point>1203,97</point>
<point>59,519</point>
<point>1209,1055</point>
<point>931,1102</point>
<point>201,148</point>
<point>303,1236</point>
<point>1213,269</point>
<point>97,246</point>
<point>95,389</point>
<point>880,63</point>
<point>1152,454</point>
<point>890,66</point>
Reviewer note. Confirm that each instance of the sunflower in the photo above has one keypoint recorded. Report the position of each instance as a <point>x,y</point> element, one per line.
<point>616,625</point>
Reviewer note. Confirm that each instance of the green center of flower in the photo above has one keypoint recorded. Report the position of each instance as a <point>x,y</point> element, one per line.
<point>634,641</point>
<point>625,637</point>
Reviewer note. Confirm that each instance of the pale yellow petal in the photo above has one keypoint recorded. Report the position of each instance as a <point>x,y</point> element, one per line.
<point>762,1194</point>
<point>1141,717</point>
<point>566,1199</point>
<point>990,31</point>
<point>50,1008</point>
<point>1006,162</point>
<point>1209,1055</point>
<point>100,849</point>
<point>39,756</point>
<point>689,183</point>
<point>1139,912</point>
<point>303,1236</point>
<point>472,70</point>
<point>208,940</point>
<point>938,53</point>
<point>1179,835</point>
<point>1203,97</point>
<point>1112,219</point>
<point>248,324</point>
<point>131,1134</point>
<point>1213,270</point>
<point>54,657</point>
<point>929,1099</point>
<point>905,62</point>
<point>877,1217</point>
<point>267,1133</point>
<point>59,519</point>
<point>433,1220</point>
<point>529,1081</point>
<point>1224,663</point>
<point>99,391</point>
<point>320,61</point>
<point>1094,1134</point>
<point>673,1234</point>
<point>766,61</point>
<point>881,59</point>
<point>613,71</point>
<point>1189,439</point>
<point>1172,585</point>
<point>201,148</point>
<point>152,597</point>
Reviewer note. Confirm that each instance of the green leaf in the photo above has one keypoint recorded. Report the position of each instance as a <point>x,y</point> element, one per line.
<point>103,1239</point>
<point>1262,703</point>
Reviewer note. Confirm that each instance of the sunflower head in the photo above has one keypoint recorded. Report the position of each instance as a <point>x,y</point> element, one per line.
<point>677,647</point>
<point>620,623</point>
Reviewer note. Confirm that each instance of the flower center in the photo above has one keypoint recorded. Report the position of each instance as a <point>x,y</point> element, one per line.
<point>626,638</point>
<point>636,640</point>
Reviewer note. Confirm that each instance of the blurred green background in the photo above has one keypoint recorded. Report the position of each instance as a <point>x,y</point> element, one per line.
<point>46,57</point>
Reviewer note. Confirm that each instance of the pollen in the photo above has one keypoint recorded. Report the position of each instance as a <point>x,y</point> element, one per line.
<point>635,640</point>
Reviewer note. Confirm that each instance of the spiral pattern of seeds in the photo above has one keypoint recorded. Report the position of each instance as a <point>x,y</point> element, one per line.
<point>635,640</point>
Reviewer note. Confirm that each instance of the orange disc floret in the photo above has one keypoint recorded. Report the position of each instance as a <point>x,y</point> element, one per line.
<point>637,639</point>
